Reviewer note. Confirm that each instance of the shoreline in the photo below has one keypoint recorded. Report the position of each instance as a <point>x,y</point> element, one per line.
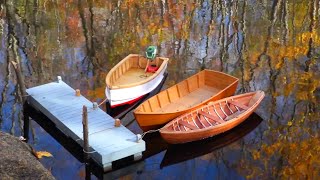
<point>18,161</point>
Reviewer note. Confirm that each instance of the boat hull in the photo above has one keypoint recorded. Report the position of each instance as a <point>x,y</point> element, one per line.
<point>154,120</point>
<point>179,153</point>
<point>119,112</point>
<point>123,96</point>
<point>179,137</point>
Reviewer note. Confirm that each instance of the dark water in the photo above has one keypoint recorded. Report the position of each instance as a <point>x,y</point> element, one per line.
<point>269,45</point>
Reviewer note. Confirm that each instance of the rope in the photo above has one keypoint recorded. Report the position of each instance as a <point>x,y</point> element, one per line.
<point>90,152</point>
<point>91,109</point>
<point>102,102</point>
<point>150,131</point>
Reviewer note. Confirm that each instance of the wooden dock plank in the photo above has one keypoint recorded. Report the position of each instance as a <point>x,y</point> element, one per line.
<point>58,102</point>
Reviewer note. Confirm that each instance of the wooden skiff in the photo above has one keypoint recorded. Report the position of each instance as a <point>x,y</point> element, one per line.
<point>199,89</point>
<point>212,119</point>
<point>177,153</point>
<point>128,81</point>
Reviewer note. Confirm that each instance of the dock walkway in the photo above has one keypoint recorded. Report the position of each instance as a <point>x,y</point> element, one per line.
<point>107,143</point>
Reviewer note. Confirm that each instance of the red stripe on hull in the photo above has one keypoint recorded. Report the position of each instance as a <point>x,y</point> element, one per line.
<point>128,102</point>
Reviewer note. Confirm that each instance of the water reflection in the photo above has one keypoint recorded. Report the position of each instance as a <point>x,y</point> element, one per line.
<point>268,45</point>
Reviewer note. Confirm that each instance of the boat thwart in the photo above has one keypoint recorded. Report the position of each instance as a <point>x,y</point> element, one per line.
<point>131,78</point>
<point>197,90</point>
<point>212,119</point>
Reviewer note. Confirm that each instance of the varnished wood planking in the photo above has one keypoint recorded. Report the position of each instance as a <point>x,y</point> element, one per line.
<point>193,83</point>
<point>185,96</point>
<point>183,89</point>
<point>218,80</point>
<point>220,121</point>
<point>201,77</point>
<point>154,103</point>
<point>59,103</point>
<point>163,99</point>
<point>193,98</point>
<point>114,78</point>
<point>133,75</point>
<point>173,93</point>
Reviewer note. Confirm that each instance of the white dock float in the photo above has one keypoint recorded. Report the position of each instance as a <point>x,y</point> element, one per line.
<point>107,143</point>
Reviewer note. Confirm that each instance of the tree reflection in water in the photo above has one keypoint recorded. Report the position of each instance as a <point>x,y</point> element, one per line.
<point>268,45</point>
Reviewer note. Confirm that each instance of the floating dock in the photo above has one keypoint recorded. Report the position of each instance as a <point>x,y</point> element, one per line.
<point>108,143</point>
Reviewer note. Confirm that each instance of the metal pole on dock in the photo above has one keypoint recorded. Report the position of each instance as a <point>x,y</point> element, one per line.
<point>86,140</point>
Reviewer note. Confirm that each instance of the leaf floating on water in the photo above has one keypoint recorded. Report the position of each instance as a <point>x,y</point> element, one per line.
<point>40,154</point>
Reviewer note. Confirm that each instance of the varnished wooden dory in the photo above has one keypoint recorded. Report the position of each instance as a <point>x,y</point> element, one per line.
<point>177,153</point>
<point>128,81</point>
<point>197,90</point>
<point>212,119</point>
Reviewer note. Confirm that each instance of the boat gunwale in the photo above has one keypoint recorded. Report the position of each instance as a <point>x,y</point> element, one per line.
<point>245,112</point>
<point>150,78</point>
<point>236,80</point>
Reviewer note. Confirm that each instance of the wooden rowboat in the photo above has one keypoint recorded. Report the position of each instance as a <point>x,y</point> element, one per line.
<point>197,90</point>
<point>131,79</point>
<point>212,119</point>
<point>177,153</point>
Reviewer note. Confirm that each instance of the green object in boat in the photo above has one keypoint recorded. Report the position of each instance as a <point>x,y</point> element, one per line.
<point>151,52</point>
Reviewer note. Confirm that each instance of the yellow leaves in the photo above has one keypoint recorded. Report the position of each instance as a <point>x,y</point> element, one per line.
<point>40,154</point>
<point>305,37</point>
<point>144,41</point>
<point>301,159</point>
<point>256,155</point>
<point>306,85</point>
<point>289,123</point>
<point>96,93</point>
<point>278,65</point>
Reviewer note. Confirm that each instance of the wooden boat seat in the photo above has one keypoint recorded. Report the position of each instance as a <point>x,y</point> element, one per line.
<point>132,75</point>
<point>255,98</point>
<point>204,122</point>
<point>211,117</point>
<point>184,123</point>
<point>189,100</point>
<point>234,115</point>
<point>238,104</point>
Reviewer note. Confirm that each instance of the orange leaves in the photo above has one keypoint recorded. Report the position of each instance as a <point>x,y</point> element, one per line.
<point>40,154</point>
<point>303,160</point>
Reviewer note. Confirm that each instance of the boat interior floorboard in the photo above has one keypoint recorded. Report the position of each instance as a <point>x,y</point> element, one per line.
<point>133,75</point>
<point>199,95</point>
